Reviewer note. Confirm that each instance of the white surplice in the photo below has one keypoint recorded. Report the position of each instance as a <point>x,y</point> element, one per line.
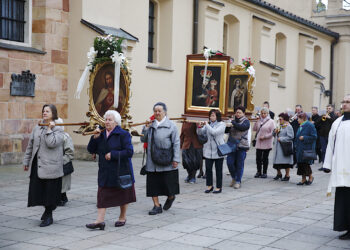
<point>337,157</point>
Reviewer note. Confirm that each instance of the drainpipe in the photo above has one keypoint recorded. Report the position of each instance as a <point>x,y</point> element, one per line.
<point>195,27</point>
<point>331,84</point>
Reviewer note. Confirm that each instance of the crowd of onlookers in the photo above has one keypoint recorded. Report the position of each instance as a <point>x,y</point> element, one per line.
<point>297,139</point>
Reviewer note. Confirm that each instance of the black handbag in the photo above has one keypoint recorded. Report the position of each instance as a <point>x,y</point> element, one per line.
<point>161,156</point>
<point>309,155</point>
<point>254,142</point>
<point>143,170</point>
<point>68,168</point>
<point>202,139</point>
<point>123,181</point>
<point>287,148</point>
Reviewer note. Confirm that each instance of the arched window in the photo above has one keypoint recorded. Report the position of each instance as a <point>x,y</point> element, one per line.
<point>280,50</point>
<point>317,59</point>
<point>231,36</point>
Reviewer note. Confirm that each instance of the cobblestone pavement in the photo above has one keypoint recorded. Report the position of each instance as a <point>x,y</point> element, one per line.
<point>263,214</point>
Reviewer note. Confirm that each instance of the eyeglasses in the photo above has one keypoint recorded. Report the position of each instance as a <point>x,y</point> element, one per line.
<point>345,102</point>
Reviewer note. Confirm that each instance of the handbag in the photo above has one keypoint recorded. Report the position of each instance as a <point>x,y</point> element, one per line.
<point>226,148</point>
<point>287,148</point>
<point>309,155</point>
<point>161,156</point>
<point>123,181</point>
<point>143,170</point>
<point>68,168</point>
<point>202,139</point>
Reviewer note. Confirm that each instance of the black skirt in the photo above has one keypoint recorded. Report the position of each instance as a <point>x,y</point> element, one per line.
<point>162,183</point>
<point>282,166</point>
<point>115,197</point>
<point>43,192</point>
<point>342,209</point>
<point>304,169</point>
<point>192,158</point>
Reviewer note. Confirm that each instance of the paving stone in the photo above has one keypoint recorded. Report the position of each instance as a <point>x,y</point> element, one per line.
<point>81,244</point>
<point>161,234</point>
<point>21,235</point>
<point>108,237</point>
<point>53,240</point>
<point>345,244</point>
<point>254,238</point>
<point>293,245</point>
<point>137,242</point>
<point>234,226</point>
<point>26,246</point>
<point>308,238</point>
<point>185,228</point>
<point>233,245</point>
<point>198,240</point>
<point>175,246</point>
<point>270,231</point>
<point>216,233</point>
<point>5,243</point>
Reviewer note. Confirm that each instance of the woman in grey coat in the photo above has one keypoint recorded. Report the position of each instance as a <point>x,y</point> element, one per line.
<point>67,157</point>
<point>163,156</point>
<point>215,130</point>
<point>43,160</point>
<point>284,133</point>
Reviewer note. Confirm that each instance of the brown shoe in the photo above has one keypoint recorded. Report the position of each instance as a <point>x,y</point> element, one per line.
<point>233,182</point>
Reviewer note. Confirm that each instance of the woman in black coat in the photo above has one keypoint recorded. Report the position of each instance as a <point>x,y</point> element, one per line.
<point>113,147</point>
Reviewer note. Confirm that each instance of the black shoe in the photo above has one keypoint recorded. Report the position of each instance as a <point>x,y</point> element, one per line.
<point>301,183</point>
<point>279,176</point>
<point>257,175</point>
<point>285,178</point>
<point>204,177</point>
<point>168,203</point>
<point>217,191</point>
<point>100,226</point>
<point>264,176</point>
<point>321,169</point>
<point>209,190</point>
<point>46,222</point>
<point>200,175</point>
<point>156,210</point>
<point>345,236</point>
<point>44,216</point>
<point>310,182</point>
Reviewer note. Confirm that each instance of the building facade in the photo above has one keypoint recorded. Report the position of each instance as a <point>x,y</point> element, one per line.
<point>300,55</point>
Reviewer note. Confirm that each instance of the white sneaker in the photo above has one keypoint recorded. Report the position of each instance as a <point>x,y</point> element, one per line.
<point>237,186</point>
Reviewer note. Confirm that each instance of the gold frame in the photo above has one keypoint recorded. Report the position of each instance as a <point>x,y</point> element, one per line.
<point>95,118</point>
<point>191,109</point>
<point>239,70</point>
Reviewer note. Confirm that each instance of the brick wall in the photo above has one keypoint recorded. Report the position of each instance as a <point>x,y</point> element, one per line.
<point>18,115</point>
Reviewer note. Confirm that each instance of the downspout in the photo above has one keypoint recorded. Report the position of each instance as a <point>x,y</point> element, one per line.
<point>331,83</point>
<point>195,27</point>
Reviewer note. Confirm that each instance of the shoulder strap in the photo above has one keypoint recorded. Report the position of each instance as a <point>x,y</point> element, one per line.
<point>257,132</point>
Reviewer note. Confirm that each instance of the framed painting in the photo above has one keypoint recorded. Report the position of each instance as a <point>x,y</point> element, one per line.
<point>101,92</point>
<point>240,90</point>
<point>206,87</point>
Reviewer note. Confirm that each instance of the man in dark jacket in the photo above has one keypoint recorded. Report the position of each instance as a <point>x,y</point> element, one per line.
<point>295,125</point>
<point>324,125</point>
<point>267,105</point>
<point>314,120</point>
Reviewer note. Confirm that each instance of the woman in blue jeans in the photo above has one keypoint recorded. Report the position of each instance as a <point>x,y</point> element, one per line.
<point>238,133</point>
<point>215,130</point>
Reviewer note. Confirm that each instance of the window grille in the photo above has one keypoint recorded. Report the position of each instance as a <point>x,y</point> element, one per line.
<point>151,19</point>
<point>12,20</point>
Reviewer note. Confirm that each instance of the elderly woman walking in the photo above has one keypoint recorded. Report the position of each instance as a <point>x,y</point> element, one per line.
<point>163,156</point>
<point>305,142</point>
<point>215,131</point>
<point>115,150</point>
<point>43,160</point>
<point>264,138</point>
<point>283,156</point>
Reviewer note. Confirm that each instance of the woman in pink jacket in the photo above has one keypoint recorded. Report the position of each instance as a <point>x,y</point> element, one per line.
<point>264,129</point>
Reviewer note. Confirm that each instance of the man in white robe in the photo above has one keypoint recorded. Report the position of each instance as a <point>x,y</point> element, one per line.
<point>337,161</point>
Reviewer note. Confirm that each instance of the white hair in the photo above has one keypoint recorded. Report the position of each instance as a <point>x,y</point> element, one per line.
<point>115,115</point>
<point>264,109</point>
<point>59,120</point>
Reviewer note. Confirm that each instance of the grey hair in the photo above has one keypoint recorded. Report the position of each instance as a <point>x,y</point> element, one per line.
<point>162,104</point>
<point>115,115</point>
<point>314,107</point>
<point>264,109</point>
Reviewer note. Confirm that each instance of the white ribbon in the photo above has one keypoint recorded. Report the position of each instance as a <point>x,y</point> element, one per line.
<point>91,56</point>
<point>118,59</point>
<point>206,54</point>
<point>251,71</point>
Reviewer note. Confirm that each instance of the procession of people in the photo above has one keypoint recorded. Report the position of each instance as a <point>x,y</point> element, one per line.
<point>294,141</point>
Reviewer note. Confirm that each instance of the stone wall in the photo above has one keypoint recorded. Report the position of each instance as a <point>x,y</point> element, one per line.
<point>18,115</point>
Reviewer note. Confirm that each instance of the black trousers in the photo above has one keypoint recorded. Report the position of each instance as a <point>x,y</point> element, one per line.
<point>218,170</point>
<point>342,209</point>
<point>262,159</point>
<point>191,174</point>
